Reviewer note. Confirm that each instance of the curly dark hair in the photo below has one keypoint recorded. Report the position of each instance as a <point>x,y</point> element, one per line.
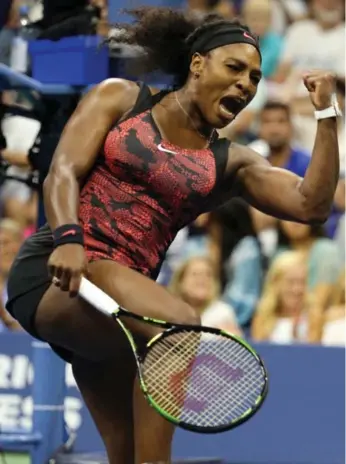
<point>166,36</point>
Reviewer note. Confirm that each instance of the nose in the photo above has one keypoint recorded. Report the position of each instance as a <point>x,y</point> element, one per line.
<point>244,84</point>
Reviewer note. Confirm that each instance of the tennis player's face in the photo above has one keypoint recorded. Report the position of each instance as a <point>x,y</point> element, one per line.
<point>227,82</point>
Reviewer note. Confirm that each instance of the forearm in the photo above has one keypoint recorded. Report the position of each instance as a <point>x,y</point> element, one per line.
<point>61,198</point>
<point>16,158</point>
<point>321,178</point>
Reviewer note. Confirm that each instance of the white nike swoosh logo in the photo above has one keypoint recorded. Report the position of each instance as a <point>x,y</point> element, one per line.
<point>160,147</point>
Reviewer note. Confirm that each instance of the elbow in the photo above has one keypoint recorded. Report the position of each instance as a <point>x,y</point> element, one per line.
<point>315,215</point>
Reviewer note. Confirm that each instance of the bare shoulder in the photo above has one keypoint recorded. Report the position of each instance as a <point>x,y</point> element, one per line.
<point>115,95</point>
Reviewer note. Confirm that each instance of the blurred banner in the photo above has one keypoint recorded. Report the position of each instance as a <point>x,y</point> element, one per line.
<point>301,422</point>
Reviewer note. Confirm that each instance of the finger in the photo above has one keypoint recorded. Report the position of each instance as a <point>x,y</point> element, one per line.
<point>75,282</point>
<point>310,82</point>
<point>65,280</point>
<point>56,274</point>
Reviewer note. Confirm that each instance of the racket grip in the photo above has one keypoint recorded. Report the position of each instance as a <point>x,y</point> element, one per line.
<point>97,297</point>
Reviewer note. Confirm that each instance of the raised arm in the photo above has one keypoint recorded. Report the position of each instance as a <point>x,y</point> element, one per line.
<point>282,194</point>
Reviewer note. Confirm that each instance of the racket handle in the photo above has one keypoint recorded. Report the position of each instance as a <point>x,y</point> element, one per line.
<point>97,297</point>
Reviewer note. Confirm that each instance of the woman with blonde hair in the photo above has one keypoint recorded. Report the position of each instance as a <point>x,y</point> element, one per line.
<point>285,311</point>
<point>196,282</point>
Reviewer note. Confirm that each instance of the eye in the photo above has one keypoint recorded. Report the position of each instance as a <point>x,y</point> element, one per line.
<point>234,67</point>
<point>256,79</point>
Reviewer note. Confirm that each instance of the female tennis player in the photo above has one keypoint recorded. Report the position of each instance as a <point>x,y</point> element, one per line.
<point>133,166</point>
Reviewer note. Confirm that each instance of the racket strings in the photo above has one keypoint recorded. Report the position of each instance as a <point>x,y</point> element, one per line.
<point>166,368</point>
<point>203,379</point>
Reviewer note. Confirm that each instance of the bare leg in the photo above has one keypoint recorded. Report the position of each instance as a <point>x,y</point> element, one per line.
<point>153,434</point>
<point>107,392</point>
<point>103,359</point>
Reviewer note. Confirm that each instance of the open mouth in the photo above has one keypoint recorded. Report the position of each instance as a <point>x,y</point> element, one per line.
<point>231,106</point>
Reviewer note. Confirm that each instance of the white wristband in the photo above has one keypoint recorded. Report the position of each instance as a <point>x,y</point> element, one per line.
<point>332,112</point>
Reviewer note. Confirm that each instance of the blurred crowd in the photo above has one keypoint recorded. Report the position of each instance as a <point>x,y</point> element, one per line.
<point>246,272</point>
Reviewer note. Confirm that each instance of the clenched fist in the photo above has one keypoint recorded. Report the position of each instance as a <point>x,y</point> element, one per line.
<point>321,86</point>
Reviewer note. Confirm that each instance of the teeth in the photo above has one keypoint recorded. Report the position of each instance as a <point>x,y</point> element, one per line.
<point>225,110</point>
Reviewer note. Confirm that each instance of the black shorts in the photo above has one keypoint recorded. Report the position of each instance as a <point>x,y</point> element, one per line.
<point>28,281</point>
<point>23,309</point>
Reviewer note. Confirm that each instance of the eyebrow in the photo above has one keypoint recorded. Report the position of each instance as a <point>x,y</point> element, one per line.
<point>242,63</point>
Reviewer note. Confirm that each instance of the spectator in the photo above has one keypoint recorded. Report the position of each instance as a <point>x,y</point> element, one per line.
<point>11,237</point>
<point>276,144</point>
<point>322,255</point>
<point>257,15</point>
<point>245,253</point>
<point>285,12</point>
<point>317,43</point>
<point>9,23</point>
<point>276,130</point>
<point>285,311</point>
<point>17,200</point>
<point>203,7</point>
<point>334,330</point>
<point>196,282</point>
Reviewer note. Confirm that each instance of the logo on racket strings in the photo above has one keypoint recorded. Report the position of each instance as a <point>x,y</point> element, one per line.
<point>195,378</point>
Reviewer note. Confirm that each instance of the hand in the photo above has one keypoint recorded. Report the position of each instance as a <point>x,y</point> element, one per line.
<point>67,264</point>
<point>321,85</point>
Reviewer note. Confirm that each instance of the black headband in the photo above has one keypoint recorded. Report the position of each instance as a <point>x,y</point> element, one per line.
<point>220,36</point>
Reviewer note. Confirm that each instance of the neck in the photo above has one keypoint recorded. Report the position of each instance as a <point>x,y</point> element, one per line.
<point>327,26</point>
<point>302,245</point>
<point>288,311</point>
<point>279,156</point>
<point>191,116</point>
<point>196,304</point>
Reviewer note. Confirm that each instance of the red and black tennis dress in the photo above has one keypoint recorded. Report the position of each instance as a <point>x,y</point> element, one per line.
<point>141,191</point>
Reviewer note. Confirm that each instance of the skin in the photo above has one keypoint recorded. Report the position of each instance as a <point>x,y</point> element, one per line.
<point>122,415</point>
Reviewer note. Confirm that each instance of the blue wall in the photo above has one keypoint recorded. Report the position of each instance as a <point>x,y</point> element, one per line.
<point>301,422</point>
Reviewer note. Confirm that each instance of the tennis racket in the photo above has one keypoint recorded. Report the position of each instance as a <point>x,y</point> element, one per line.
<point>199,378</point>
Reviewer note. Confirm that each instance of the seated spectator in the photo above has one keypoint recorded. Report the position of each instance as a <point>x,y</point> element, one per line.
<point>196,283</point>
<point>246,247</point>
<point>334,330</point>
<point>204,7</point>
<point>286,12</point>
<point>285,311</point>
<point>276,130</point>
<point>316,43</point>
<point>322,254</point>
<point>257,15</point>
<point>17,200</point>
<point>11,238</point>
<point>9,23</point>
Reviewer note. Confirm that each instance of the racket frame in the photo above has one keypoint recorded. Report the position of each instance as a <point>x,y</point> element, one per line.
<point>104,303</point>
<point>203,329</point>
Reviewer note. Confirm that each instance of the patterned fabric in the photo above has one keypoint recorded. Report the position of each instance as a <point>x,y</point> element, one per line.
<point>140,193</point>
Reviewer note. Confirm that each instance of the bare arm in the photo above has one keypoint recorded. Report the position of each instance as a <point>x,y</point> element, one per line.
<point>283,194</point>
<point>79,146</point>
<point>15,157</point>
